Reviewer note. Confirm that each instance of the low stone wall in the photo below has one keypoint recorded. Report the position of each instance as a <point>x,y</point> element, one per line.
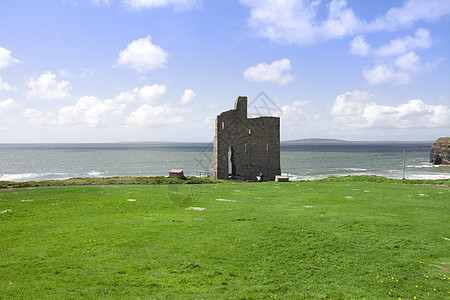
<point>440,151</point>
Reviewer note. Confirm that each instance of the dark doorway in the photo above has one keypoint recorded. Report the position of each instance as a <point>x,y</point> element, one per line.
<point>231,164</point>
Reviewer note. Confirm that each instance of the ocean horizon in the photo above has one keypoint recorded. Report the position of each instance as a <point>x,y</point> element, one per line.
<point>310,160</point>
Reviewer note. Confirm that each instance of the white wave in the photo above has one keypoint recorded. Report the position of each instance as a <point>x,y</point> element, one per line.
<point>95,173</point>
<point>420,166</point>
<point>441,166</point>
<point>429,176</point>
<point>355,169</point>
<point>393,176</point>
<point>18,177</point>
<point>309,178</point>
<point>33,176</point>
<point>291,176</point>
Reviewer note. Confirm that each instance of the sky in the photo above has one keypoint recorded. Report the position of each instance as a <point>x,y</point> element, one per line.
<point>98,71</point>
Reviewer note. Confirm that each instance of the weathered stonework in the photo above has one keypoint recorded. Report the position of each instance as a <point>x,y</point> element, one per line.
<point>177,173</point>
<point>250,145</point>
<point>280,178</point>
<point>440,151</point>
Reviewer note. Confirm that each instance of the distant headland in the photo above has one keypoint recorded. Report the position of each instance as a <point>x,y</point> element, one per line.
<point>316,140</point>
<point>338,141</point>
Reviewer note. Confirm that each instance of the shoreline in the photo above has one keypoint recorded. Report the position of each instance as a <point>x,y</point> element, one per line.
<point>27,177</point>
<point>161,180</point>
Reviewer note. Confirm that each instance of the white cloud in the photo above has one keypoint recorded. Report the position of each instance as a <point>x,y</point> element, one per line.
<point>401,66</point>
<point>358,110</point>
<point>398,46</point>
<point>407,43</point>
<point>277,71</point>
<point>188,96</point>
<point>359,46</point>
<point>76,2</point>
<point>46,87</point>
<point>6,59</point>
<point>341,21</point>
<point>101,2</point>
<point>4,86</point>
<point>152,94</point>
<point>127,96</point>
<point>142,55</point>
<point>7,105</point>
<point>383,73</point>
<point>407,61</point>
<point>404,70</point>
<point>294,114</point>
<point>83,73</point>
<point>295,121</point>
<point>155,116</point>
<point>298,22</point>
<point>89,111</point>
<point>412,11</point>
<point>147,4</point>
<point>66,73</point>
<point>301,103</point>
<point>148,94</point>
<point>349,107</point>
<point>36,117</point>
<point>209,122</point>
<point>295,22</point>
<point>413,114</point>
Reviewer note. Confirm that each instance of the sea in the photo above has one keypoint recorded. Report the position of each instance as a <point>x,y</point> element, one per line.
<point>300,161</point>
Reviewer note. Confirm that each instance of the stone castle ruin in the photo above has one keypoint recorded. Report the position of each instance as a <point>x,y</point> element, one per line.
<point>245,147</point>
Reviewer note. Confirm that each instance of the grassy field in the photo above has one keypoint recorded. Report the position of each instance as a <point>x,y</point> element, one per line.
<point>297,240</point>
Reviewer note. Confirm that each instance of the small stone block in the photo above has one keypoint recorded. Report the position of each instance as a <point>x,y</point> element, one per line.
<point>177,173</point>
<point>280,178</point>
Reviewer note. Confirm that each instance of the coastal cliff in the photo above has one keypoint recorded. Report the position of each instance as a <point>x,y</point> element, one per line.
<point>440,151</point>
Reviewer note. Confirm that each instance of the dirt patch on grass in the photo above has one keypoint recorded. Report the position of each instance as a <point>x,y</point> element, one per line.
<point>442,266</point>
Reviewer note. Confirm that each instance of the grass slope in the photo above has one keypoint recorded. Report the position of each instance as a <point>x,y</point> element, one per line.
<point>295,240</point>
<point>127,180</point>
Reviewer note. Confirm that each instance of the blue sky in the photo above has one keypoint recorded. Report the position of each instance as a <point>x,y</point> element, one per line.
<point>141,70</point>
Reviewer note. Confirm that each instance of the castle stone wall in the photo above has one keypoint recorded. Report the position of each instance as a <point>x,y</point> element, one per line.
<point>250,145</point>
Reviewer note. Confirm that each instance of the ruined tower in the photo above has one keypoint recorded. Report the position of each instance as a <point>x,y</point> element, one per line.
<point>245,147</point>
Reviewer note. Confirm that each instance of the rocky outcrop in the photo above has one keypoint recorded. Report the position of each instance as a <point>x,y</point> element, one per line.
<point>440,151</point>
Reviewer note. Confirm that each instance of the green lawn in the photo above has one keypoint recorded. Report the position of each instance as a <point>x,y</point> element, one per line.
<point>297,240</point>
